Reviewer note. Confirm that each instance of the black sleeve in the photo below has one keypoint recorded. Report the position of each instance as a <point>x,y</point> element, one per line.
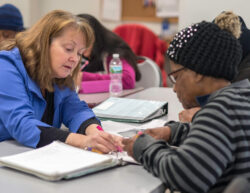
<point>179,132</point>
<point>50,134</point>
<point>86,123</point>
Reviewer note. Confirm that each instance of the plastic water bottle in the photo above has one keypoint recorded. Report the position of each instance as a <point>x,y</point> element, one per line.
<point>115,72</point>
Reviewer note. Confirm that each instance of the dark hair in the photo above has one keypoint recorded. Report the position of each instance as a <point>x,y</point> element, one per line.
<point>244,39</point>
<point>107,42</point>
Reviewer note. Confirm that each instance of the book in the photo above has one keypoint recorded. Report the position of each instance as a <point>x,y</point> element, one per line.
<point>58,161</point>
<point>130,110</point>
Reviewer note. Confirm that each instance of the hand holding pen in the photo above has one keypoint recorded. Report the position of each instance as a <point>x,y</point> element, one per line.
<point>100,140</point>
<point>116,139</point>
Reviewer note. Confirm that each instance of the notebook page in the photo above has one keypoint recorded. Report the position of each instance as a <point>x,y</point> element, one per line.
<point>123,156</point>
<point>115,127</point>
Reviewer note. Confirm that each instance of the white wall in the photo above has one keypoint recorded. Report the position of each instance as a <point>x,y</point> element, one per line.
<point>192,11</point>
<point>32,10</point>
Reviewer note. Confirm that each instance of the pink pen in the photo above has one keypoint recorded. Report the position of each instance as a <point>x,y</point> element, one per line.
<point>99,128</point>
<point>84,65</point>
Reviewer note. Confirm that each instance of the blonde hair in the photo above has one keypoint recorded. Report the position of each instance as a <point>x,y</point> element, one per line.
<point>34,45</point>
<point>229,21</point>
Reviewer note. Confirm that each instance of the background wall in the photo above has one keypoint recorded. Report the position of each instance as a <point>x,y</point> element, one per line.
<point>32,10</point>
<point>191,11</point>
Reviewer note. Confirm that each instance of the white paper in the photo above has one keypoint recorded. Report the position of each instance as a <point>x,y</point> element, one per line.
<point>111,10</point>
<point>117,127</point>
<point>167,8</point>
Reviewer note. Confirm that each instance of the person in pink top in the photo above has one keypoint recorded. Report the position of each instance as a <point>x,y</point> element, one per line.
<point>95,75</point>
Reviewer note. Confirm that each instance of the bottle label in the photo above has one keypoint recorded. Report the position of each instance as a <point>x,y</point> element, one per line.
<point>116,69</point>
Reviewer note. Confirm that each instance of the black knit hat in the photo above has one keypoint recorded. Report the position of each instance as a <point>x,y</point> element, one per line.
<point>206,49</point>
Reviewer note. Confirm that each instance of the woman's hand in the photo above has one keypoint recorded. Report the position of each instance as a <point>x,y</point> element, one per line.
<point>112,142</point>
<point>95,138</point>
<point>101,141</point>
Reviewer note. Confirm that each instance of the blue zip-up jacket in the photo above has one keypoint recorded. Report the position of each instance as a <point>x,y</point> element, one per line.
<point>22,104</point>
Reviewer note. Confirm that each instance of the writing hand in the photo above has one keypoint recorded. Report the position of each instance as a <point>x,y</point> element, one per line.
<point>102,141</point>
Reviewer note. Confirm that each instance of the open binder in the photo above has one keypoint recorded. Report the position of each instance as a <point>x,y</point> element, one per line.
<point>130,110</point>
<point>58,161</point>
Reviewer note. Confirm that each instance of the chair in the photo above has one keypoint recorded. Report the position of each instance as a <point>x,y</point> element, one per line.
<point>150,73</point>
<point>144,42</point>
<point>238,185</point>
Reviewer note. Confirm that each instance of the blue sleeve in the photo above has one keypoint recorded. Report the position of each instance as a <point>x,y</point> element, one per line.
<point>75,112</point>
<point>17,117</point>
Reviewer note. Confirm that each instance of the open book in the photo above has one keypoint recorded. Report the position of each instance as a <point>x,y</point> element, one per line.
<point>130,110</point>
<point>58,161</point>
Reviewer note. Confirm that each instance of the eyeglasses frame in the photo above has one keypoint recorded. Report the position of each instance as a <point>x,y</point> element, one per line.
<point>171,77</point>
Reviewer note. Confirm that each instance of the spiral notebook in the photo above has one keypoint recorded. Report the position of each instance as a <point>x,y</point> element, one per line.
<point>130,110</point>
<point>58,161</point>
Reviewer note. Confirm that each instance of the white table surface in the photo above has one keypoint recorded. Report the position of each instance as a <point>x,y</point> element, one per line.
<point>127,179</point>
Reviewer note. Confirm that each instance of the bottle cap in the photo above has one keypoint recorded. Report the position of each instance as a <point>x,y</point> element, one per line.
<point>115,55</point>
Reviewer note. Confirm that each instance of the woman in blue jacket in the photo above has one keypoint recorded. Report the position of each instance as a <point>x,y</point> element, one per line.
<point>37,94</point>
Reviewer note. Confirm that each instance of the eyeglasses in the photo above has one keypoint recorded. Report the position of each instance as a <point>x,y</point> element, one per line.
<point>171,77</point>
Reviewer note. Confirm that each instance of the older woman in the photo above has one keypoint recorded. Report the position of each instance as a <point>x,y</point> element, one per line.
<point>38,69</point>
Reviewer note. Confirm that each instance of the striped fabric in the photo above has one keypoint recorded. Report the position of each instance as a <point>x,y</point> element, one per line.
<point>213,149</point>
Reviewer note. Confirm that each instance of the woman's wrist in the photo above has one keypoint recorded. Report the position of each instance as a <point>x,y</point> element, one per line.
<point>77,140</point>
<point>93,128</point>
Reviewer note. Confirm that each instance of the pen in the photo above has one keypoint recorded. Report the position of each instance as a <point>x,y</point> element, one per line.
<point>93,150</point>
<point>84,63</point>
<point>101,129</point>
<point>138,134</point>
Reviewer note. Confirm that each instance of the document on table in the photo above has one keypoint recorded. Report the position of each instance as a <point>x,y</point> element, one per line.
<point>128,130</point>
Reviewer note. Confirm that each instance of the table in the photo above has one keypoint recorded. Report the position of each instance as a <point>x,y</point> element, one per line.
<point>124,179</point>
<point>94,99</point>
<point>161,94</point>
